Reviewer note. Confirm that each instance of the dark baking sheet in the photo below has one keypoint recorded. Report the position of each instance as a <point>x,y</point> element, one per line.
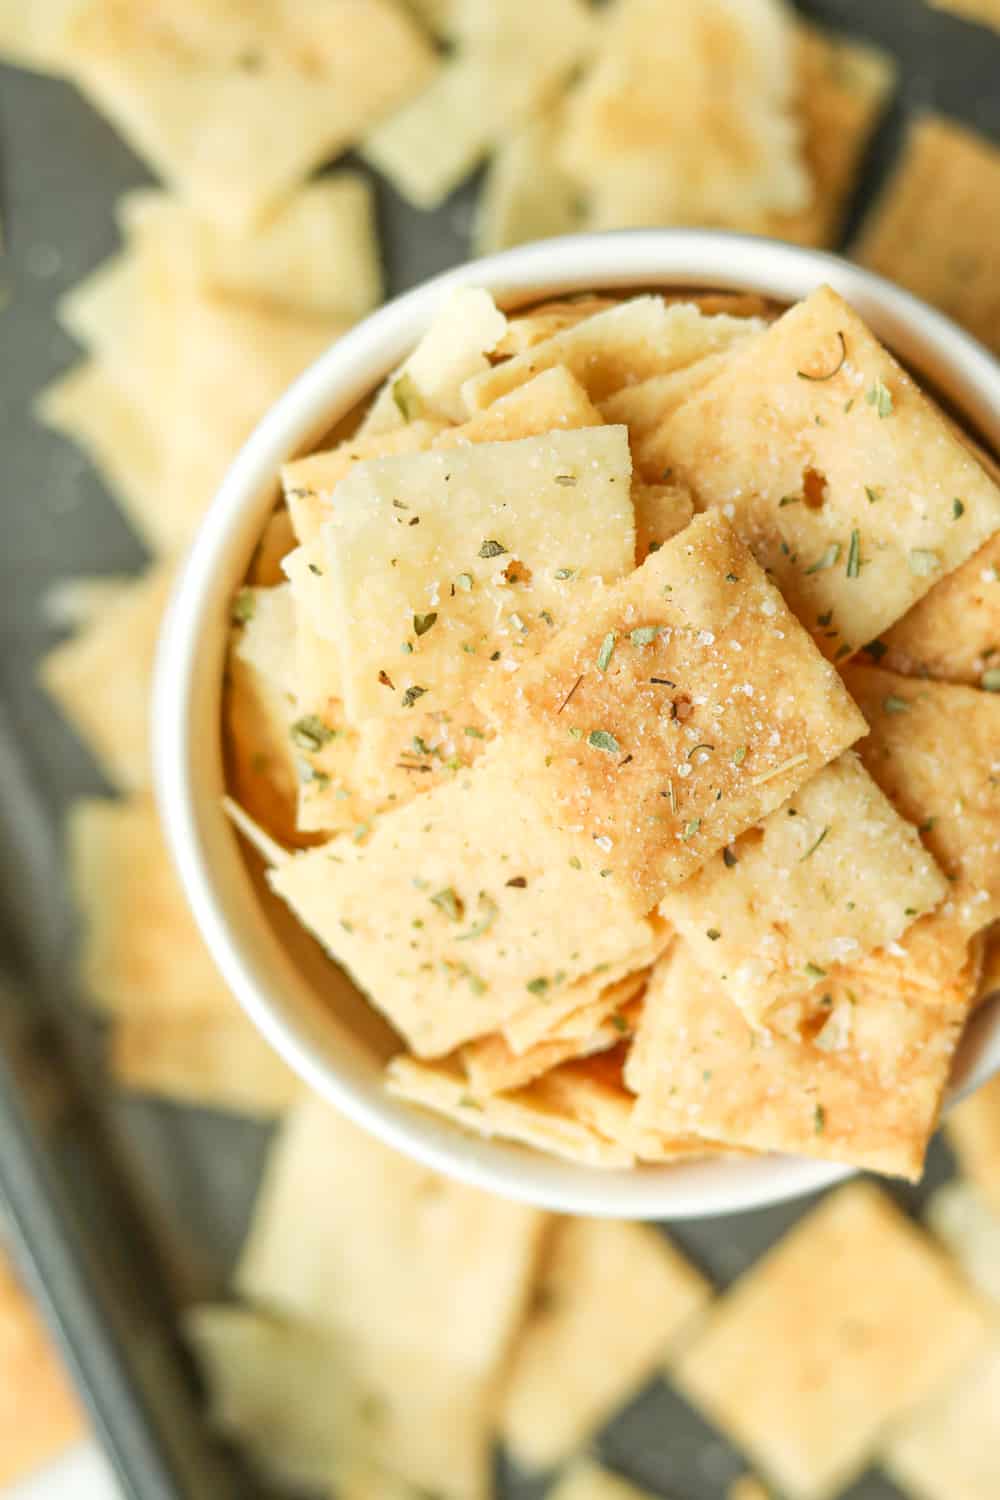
<point>136,1208</point>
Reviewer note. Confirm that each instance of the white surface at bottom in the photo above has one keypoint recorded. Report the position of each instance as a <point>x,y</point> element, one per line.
<point>81,1474</point>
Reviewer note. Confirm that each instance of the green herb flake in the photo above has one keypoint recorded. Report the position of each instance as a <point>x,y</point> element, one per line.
<point>488,913</point>
<point>990,680</point>
<point>644,636</point>
<point>563,573</point>
<point>854,555</point>
<point>874,496</point>
<point>690,829</point>
<point>604,654</point>
<point>464,582</point>
<point>318,571</point>
<point>575,734</point>
<point>450,902</point>
<point>814,971</point>
<point>819,1119</point>
<point>407,648</point>
<point>713,934</point>
<point>310,733</point>
<point>537,986</point>
<point>408,400</point>
<point>243,606</point>
<point>958,509</point>
<point>574,862</point>
<point>473,732</point>
<point>467,1102</point>
<point>492,548</point>
<point>789,500</point>
<point>567,479</point>
<point>893,704</point>
<point>829,559</point>
<point>881,398</point>
<point>829,374</point>
<point>423,623</point>
<point>600,739</point>
<point>412,694</point>
<point>813,847</point>
<point>923,563</point>
<point>619,1022</point>
<point>739,755</point>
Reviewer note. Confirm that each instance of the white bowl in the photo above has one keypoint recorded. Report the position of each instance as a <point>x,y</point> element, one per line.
<point>307,1010</point>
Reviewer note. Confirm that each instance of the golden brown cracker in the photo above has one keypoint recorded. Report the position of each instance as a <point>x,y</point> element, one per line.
<point>830,1312</point>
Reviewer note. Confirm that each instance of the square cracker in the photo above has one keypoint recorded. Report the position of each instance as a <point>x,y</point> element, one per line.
<point>947,1449</point>
<point>39,1415</point>
<point>236,106</point>
<point>535,1116</point>
<point>865,1088</point>
<point>965,1223</point>
<point>952,633</point>
<point>618,346</point>
<point>306,1405</point>
<point>694,649</point>
<point>552,400</point>
<point>542,322</point>
<point>308,483</point>
<point>101,677</point>
<point>207,1061</point>
<point>947,257</point>
<point>582,1353</point>
<point>833,1307</point>
<point>460,555</point>
<point>461,910</point>
<point>526,195</point>
<point>835,469</point>
<point>756,927</point>
<point>350,1237</point>
<point>973,1131</point>
<point>933,749</point>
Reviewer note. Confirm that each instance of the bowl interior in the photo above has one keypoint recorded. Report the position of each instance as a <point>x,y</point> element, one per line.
<point>305,1006</point>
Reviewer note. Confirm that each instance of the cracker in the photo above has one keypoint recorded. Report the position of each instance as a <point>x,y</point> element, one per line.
<point>398,758</point>
<point>952,633</point>
<point>527,195</point>
<point>964,1221</point>
<point>441,552</point>
<point>32,36</point>
<point>98,312</point>
<point>946,257</point>
<point>973,1130</point>
<point>931,749</point>
<point>551,401</point>
<point>488,948</point>
<point>533,1116</point>
<point>586,1480</point>
<point>619,346</point>
<point>865,1088</point>
<point>259,712</point>
<point>208,1061</point>
<point>513,56</point>
<point>236,107</point>
<point>947,1449</point>
<point>307,1405</point>
<point>542,322</point>
<point>868,471</point>
<point>316,252</point>
<point>725,666</point>
<point>583,1354</point>
<point>101,678</point>
<point>696,102</point>
<point>831,1313</point>
<point>335,1210</point>
<point>308,483</point>
<point>493,1067</point>
<point>831,875</point>
<point>39,1415</point>
<point>276,541</point>
<point>88,405</point>
<point>661,511</point>
<point>644,406</point>
<point>843,86</point>
<point>465,329</point>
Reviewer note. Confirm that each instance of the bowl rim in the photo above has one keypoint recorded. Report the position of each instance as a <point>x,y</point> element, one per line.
<point>188,773</point>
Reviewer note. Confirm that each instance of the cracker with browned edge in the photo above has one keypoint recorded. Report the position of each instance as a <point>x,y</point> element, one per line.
<point>684,705</point>
<point>947,1449</point>
<point>829,876</point>
<point>864,1088</point>
<point>952,633</point>
<point>583,1354</point>
<point>948,257</point>
<point>838,1351</point>
<point>847,483</point>
<point>39,1415</point>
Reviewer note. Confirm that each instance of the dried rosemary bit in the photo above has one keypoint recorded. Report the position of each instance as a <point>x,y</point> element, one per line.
<point>563,573</point>
<point>690,829</point>
<point>423,623</point>
<point>881,398</point>
<point>644,636</point>
<point>412,694</point>
<point>814,971</point>
<point>565,479</point>
<point>895,705</point>
<point>829,559</point>
<point>492,548</point>
<point>854,555</point>
<point>409,402</point>
<point>604,654</point>
<point>537,986</point>
<point>819,1119</point>
<point>874,496</point>
<point>311,733</point>
<point>957,509</point>
<point>489,911</point>
<point>600,739</point>
<point>243,606</point>
<point>813,847</point>
<point>450,902</point>
<point>829,374</point>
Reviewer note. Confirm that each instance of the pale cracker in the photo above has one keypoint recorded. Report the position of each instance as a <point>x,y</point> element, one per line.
<point>98,312</point>
<point>102,677</point>
<point>542,322</point>
<point>235,107</point>
<point>644,405</point>
<point>459,555</point>
<point>694,647</point>
<point>88,405</point>
<point>952,633</point>
<point>493,1067</point>
<point>400,757</point>
<point>307,1405</point>
<point>583,1354</point>
<point>829,876</point>
<point>696,102</point>
<point>586,1480</point>
<point>947,257</point>
<point>661,511</point>
<point>259,710</point>
<point>308,483</point>
<point>933,751</point>
<point>513,56</point>
<point>816,414</point>
<point>526,195</point>
<point>865,1089</point>
<point>533,1116</point>
<point>550,401</point>
<point>466,328</point>
<point>965,1222</point>
<point>39,1415</point>
<point>830,1311</point>
<point>973,1131</point>
<point>207,1061</point>
<point>349,1236</point>
<point>453,860</point>
<point>33,36</point>
<point>619,346</point>
<point>947,1449</point>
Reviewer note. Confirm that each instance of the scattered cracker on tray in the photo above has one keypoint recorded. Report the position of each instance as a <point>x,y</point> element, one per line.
<point>973,1131</point>
<point>39,1415</point>
<point>947,257</point>
<point>965,1222</point>
<point>947,1449</point>
<point>808,1358</point>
